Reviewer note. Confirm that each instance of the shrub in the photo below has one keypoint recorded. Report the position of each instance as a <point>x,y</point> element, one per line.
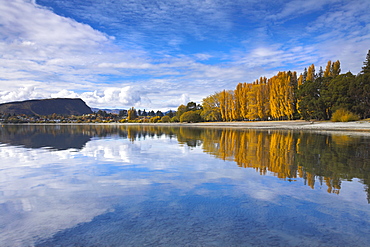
<point>343,115</point>
<point>191,117</point>
<point>175,119</point>
<point>165,119</point>
<point>155,119</point>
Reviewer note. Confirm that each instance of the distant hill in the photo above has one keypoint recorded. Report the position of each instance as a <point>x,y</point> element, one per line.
<point>61,106</point>
<point>115,111</point>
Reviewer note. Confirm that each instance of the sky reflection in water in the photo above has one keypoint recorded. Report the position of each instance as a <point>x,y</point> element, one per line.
<point>135,186</point>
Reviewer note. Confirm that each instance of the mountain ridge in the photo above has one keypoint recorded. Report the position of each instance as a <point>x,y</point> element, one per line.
<point>43,107</point>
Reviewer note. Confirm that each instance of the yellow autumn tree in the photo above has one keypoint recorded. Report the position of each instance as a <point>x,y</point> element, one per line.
<point>252,101</point>
<point>311,73</point>
<point>327,72</point>
<point>281,102</point>
<point>263,99</point>
<point>242,100</point>
<point>332,69</point>
<point>336,68</point>
<point>226,105</point>
<point>211,107</point>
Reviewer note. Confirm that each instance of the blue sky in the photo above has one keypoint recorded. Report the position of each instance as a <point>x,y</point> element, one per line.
<point>160,54</point>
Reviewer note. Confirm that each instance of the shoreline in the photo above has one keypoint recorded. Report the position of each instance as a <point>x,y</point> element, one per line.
<point>294,125</point>
<point>362,125</point>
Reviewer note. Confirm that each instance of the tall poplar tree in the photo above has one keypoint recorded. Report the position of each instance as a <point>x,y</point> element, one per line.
<point>327,72</point>
<point>226,103</point>
<point>238,98</point>
<point>262,99</point>
<point>252,101</point>
<point>281,104</point>
<point>311,73</point>
<point>132,114</point>
<point>336,68</point>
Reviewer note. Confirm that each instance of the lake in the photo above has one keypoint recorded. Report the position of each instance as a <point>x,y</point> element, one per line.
<point>120,185</point>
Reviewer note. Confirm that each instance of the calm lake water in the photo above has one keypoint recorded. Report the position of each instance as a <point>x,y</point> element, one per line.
<point>166,186</point>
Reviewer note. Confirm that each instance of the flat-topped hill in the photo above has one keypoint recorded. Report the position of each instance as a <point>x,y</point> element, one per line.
<point>43,107</point>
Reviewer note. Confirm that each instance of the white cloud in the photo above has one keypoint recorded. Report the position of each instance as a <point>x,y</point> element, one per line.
<point>269,57</point>
<point>60,57</point>
<point>25,21</point>
<point>126,65</point>
<point>114,97</point>
<point>296,8</point>
<point>37,44</point>
<point>46,55</point>
<point>161,20</point>
<point>343,33</point>
<point>65,94</point>
<point>19,94</point>
<point>182,100</point>
<point>202,56</point>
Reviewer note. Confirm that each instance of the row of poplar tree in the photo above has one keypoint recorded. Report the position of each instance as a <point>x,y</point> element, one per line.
<point>311,95</point>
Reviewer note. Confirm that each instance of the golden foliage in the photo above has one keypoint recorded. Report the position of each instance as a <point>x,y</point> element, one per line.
<point>275,153</point>
<point>343,115</point>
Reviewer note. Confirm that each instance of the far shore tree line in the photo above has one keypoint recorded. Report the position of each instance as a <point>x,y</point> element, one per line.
<point>315,94</point>
<point>100,116</point>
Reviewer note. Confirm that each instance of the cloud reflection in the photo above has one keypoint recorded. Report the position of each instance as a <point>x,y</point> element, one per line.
<point>44,191</point>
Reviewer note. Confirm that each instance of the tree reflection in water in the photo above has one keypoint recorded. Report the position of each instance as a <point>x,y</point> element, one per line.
<point>325,157</point>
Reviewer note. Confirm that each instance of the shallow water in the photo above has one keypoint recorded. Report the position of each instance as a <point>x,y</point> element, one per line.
<point>153,186</point>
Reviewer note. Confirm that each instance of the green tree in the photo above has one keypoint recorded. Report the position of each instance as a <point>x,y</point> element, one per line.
<point>359,93</point>
<point>180,110</point>
<point>311,105</point>
<point>191,106</point>
<point>102,113</point>
<point>338,92</point>
<point>122,113</point>
<point>321,73</point>
<point>171,114</point>
<point>366,67</point>
<point>159,114</point>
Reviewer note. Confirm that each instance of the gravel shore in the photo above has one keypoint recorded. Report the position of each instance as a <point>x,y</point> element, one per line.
<point>359,126</point>
<point>293,125</point>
